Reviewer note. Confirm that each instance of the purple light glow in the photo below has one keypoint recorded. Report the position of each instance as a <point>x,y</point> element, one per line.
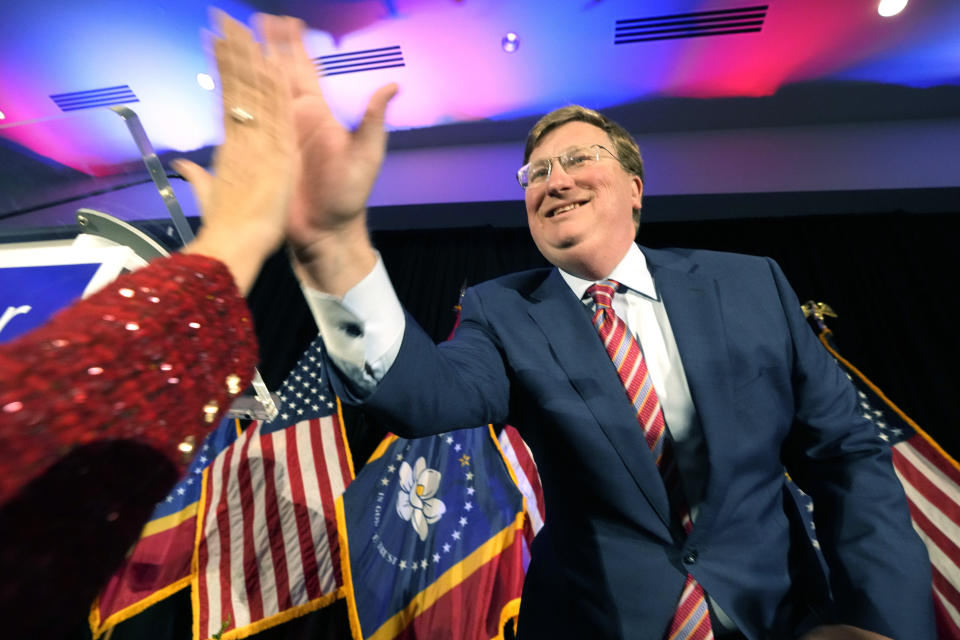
<point>453,70</point>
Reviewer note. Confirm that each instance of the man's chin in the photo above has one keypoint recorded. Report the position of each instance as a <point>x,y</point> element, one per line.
<point>570,256</point>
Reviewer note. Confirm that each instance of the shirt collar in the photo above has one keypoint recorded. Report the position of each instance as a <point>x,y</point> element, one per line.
<point>632,272</point>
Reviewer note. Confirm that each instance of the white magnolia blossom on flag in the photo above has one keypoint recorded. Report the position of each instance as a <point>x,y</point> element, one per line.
<point>415,501</point>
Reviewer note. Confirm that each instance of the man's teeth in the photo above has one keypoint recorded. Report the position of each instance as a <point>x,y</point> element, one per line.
<point>569,207</point>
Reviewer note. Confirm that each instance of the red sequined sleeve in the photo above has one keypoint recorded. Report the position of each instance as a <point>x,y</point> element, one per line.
<point>140,359</point>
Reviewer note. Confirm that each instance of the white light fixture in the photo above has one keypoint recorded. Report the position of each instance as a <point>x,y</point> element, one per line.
<point>205,81</point>
<point>889,8</point>
<point>510,42</point>
<point>3,116</point>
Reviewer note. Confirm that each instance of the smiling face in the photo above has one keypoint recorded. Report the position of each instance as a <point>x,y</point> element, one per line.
<point>582,223</point>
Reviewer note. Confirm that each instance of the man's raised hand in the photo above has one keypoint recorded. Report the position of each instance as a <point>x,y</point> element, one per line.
<point>337,167</point>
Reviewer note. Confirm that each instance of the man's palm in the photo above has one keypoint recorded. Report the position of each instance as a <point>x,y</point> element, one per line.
<point>337,167</point>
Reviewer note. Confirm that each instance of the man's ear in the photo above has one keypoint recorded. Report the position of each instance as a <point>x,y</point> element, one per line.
<point>637,185</point>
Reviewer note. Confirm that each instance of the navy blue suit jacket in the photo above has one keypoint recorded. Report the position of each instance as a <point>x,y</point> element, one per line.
<point>609,562</point>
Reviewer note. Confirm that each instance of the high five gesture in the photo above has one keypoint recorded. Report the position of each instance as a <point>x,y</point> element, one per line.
<point>337,168</point>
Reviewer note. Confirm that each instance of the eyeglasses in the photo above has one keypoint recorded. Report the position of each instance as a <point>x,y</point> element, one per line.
<point>572,161</point>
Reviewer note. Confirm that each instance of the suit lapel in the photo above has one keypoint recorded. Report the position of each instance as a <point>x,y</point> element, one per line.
<point>692,302</point>
<point>566,323</point>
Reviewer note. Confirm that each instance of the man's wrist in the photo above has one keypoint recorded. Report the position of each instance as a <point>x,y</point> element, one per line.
<point>335,261</point>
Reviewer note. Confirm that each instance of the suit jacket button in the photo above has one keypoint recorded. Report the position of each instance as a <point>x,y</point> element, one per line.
<point>690,557</point>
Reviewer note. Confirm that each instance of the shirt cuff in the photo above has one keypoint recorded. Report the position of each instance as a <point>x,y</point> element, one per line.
<point>363,330</point>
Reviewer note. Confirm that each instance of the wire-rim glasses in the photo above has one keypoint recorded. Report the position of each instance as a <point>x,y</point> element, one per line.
<point>571,161</point>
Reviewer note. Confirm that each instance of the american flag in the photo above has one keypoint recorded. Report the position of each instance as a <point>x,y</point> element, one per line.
<point>267,549</point>
<point>161,562</point>
<point>518,456</point>
<point>931,480</point>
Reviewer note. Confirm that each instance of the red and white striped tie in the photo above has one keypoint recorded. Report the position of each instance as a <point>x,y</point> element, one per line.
<point>691,621</point>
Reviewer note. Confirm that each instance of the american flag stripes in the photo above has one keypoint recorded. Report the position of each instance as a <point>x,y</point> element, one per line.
<point>518,456</point>
<point>161,562</point>
<point>267,546</point>
<point>931,480</point>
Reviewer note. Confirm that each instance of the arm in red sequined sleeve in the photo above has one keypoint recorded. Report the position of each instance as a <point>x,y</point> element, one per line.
<point>140,359</point>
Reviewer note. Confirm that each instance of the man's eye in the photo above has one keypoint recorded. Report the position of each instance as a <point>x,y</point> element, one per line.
<point>578,159</point>
<point>538,173</point>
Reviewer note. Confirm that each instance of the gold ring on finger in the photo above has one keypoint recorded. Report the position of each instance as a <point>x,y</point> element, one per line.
<point>241,115</point>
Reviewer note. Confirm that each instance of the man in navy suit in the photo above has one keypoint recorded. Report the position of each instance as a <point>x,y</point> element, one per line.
<point>745,390</point>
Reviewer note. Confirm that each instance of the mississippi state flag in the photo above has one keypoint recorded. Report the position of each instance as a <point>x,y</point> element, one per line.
<point>432,539</point>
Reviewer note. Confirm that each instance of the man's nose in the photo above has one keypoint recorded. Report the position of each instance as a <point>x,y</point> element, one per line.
<point>558,179</point>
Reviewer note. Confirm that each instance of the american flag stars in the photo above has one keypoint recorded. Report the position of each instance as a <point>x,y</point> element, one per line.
<point>885,432</point>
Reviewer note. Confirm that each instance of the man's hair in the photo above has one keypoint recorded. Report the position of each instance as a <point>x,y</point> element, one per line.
<point>624,146</point>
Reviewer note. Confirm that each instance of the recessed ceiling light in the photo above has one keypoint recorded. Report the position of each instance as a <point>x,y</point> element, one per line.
<point>205,81</point>
<point>889,8</point>
<point>3,116</point>
<point>510,42</point>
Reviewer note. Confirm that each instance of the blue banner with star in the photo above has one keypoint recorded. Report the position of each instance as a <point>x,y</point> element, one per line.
<point>422,520</point>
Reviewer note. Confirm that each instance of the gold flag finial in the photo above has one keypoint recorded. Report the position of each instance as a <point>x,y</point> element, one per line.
<point>818,310</point>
